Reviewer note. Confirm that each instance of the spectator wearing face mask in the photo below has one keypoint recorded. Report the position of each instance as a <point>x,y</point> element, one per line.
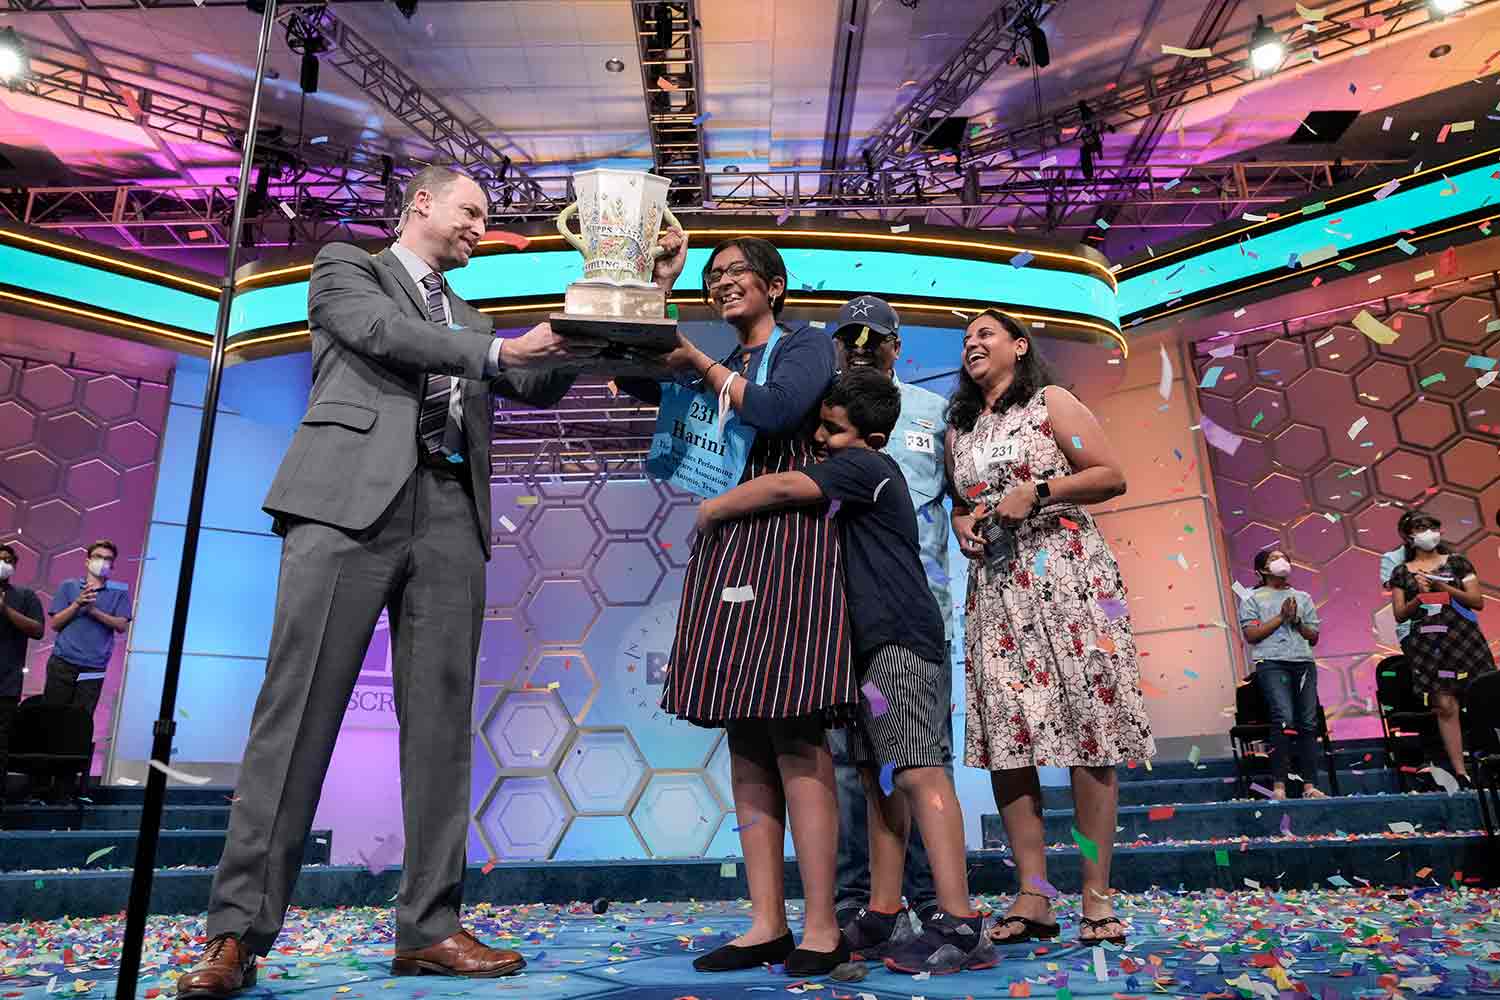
<point>86,613</point>
<point>1437,591</point>
<point>1394,558</point>
<point>1281,625</point>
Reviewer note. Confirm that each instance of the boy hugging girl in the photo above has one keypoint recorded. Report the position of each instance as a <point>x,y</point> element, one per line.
<point>897,634</point>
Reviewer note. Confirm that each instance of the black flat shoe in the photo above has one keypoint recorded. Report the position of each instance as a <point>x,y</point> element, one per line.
<point>735,958</point>
<point>803,963</point>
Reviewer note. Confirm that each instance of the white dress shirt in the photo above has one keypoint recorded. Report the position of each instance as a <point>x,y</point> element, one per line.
<point>419,269</point>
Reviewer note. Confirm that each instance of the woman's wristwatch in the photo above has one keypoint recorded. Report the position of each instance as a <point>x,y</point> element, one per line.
<point>1043,491</point>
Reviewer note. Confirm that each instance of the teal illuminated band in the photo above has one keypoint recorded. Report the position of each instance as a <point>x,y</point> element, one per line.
<point>1265,250</point>
<point>497,278</point>
<point>152,301</point>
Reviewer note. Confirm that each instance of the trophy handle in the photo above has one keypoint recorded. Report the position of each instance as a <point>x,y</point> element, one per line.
<point>666,213</point>
<point>567,234</point>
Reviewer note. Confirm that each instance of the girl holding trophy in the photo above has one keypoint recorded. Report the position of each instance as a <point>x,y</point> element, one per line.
<point>761,648</point>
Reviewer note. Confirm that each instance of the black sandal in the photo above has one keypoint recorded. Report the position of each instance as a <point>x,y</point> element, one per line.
<point>1031,930</point>
<point>1094,924</point>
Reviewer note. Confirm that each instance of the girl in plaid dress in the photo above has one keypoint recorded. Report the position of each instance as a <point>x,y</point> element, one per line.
<point>1445,647</point>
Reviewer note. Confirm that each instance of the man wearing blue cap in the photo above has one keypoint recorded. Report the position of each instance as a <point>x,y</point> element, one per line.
<point>867,335</point>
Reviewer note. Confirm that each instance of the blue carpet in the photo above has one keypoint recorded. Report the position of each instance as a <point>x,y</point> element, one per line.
<point>1365,943</point>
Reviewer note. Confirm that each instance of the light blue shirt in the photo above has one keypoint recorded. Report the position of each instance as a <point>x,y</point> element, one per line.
<point>1286,643</point>
<point>1388,563</point>
<point>419,269</point>
<point>917,444</point>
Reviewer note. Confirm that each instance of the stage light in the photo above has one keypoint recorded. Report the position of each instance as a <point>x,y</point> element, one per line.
<point>14,63</point>
<point>1036,38</point>
<point>1266,50</point>
<point>309,73</point>
<point>1442,8</point>
<point>406,7</point>
<point>614,65</point>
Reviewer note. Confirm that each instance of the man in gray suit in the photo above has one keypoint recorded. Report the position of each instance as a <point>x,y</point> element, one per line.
<point>383,501</point>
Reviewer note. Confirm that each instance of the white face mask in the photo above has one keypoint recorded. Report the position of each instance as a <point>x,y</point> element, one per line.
<point>1279,567</point>
<point>1427,540</point>
<point>6,569</point>
<point>100,568</point>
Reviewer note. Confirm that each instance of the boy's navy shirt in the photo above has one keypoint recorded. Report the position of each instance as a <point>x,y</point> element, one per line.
<point>889,600</point>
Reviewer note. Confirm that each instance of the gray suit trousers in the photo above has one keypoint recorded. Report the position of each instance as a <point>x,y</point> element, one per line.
<point>420,561</point>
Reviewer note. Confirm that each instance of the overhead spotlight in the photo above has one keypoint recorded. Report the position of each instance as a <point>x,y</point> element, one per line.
<point>257,7</point>
<point>1266,50</point>
<point>309,78</point>
<point>1090,144</point>
<point>1442,8</point>
<point>406,7</point>
<point>1092,147</point>
<point>1036,38</point>
<point>614,65</point>
<point>304,35</point>
<point>387,168</point>
<point>14,63</point>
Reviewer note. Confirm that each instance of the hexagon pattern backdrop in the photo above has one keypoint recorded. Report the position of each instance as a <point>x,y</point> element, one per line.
<point>1341,435</point>
<point>572,758</point>
<point>78,452</point>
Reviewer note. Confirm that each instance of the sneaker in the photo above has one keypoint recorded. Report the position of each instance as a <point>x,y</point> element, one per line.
<point>870,934</point>
<point>947,944</point>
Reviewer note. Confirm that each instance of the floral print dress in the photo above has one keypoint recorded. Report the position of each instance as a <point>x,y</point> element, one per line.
<point>1050,669</point>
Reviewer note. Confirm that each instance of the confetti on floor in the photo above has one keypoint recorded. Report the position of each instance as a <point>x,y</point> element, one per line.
<point>1323,943</point>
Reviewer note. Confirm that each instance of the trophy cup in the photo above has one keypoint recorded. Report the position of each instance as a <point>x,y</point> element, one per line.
<point>620,213</point>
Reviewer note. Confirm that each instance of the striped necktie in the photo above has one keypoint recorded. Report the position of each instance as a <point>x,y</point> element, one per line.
<point>435,427</point>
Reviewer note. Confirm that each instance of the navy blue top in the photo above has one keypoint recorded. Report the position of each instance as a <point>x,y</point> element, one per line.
<point>13,640</point>
<point>889,601</point>
<point>801,372</point>
<point>86,641</point>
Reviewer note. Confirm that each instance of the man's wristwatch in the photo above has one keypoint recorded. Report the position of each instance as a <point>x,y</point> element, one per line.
<point>1043,491</point>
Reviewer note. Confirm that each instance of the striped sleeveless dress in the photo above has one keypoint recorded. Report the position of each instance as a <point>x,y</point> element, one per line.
<point>786,653</point>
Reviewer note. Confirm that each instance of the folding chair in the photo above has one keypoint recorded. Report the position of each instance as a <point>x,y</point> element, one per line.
<point>1481,713</point>
<point>1409,727</point>
<point>1250,738</point>
<point>53,742</point>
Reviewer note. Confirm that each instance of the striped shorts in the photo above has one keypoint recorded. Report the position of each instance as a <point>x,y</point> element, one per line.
<point>905,719</point>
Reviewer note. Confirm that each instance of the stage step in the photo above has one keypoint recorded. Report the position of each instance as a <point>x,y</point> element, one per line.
<point>1176,770</point>
<point>1358,814</point>
<point>177,795</point>
<point>25,816</point>
<point>1288,863</point>
<point>1169,792</point>
<point>27,850</point>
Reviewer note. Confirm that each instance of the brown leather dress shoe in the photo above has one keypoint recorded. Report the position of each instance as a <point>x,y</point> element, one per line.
<point>459,955</point>
<point>224,968</point>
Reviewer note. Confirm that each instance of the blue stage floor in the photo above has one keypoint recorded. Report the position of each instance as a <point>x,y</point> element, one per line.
<point>1352,943</point>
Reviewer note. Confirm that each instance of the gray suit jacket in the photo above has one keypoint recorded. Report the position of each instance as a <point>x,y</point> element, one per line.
<point>372,344</point>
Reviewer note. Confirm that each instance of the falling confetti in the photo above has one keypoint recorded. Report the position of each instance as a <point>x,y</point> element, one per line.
<point>176,775</point>
<point>1374,329</point>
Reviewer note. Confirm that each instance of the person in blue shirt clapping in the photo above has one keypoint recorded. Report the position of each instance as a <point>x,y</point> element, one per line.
<point>1281,625</point>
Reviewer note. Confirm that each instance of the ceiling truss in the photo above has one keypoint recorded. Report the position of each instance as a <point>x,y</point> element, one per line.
<point>1000,37</point>
<point>1132,104</point>
<point>667,37</point>
<point>1148,196</point>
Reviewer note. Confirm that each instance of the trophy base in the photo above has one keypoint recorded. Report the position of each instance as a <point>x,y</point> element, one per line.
<point>629,316</point>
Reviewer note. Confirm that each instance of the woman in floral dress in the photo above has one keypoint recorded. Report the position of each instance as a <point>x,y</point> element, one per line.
<point>1051,671</point>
